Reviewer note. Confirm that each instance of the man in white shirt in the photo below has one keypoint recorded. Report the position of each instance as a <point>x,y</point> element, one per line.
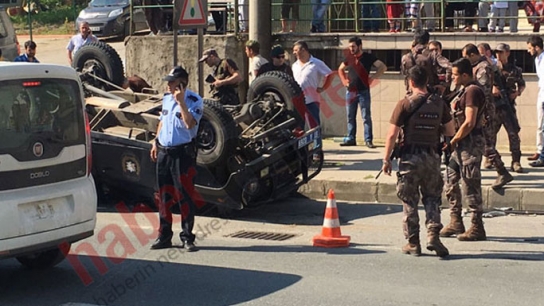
<point>313,76</point>
<point>255,59</point>
<point>534,47</point>
<point>77,41</point>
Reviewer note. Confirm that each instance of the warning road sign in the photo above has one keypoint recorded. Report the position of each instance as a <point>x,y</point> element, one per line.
<point>192,13</point>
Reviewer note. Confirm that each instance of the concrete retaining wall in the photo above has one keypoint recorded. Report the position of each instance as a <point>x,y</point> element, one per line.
<point>151,58</point>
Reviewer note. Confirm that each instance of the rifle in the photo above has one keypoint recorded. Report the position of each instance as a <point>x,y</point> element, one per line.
<point>446,150</point>
<point>504,102</point>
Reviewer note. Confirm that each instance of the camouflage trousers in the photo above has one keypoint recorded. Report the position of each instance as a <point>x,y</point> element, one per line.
<point>502,119</point>
<point>490,136</point>
<point>464,168</point>
<point>420,172</point>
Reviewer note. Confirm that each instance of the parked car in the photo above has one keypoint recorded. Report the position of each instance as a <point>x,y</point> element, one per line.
<point>8,39</point>
<point>248,154</point>
<point>112,18</point>
<point>47,194</point>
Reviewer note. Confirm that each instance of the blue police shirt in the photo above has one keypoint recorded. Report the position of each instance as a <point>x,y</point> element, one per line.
<point>24,58</point>
<point>173,131</point>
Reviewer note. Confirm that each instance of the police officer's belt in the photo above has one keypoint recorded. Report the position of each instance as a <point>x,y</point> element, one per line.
<point>175,149</point>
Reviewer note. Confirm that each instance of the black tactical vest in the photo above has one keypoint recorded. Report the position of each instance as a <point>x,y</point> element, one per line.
<point>423,126</point>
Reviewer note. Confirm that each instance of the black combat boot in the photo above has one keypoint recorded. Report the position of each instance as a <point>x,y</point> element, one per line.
<point>434,244</point>
<point>476,232</point>
<point>413,247</point>
<point>504,178</point>
<point>455,227</point>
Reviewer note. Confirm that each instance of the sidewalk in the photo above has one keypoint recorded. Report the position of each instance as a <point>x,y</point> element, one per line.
<point>351,172</point>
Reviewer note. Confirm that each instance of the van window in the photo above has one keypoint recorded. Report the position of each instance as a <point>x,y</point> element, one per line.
<point>39,118</point>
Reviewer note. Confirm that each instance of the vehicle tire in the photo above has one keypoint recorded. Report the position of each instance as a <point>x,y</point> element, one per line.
<point>102,60</point>
<point>216,138</point>
<point>283,88</point>
<point>44,259</point>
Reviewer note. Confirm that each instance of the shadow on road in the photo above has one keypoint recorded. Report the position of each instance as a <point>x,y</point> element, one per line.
<point>293,249</point>
<point>297,209</point>
<point>139,282</point>
<point>530,240</point>
<point>510,255</point>
<point>301,210</point>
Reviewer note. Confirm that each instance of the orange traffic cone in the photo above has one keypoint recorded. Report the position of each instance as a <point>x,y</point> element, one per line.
<point>331,236</point>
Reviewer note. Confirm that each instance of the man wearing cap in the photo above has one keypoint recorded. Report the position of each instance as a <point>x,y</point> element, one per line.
<point>174,150</point>
<point>507,86</point>
<point>277,55</point>
<point>256,60</point>
<point>483,74</point>
<point>226,77</point>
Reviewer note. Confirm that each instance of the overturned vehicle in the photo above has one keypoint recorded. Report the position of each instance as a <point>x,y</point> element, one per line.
<point>247,154</point>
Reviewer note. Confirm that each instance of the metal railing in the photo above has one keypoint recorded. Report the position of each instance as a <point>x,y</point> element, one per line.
<point>347,16</point>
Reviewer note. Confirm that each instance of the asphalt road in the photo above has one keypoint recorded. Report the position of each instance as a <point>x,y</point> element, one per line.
<point>116,266</point>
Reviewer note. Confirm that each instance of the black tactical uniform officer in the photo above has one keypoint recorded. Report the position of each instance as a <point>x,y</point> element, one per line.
<point>420,116</point>
<point>226,77</point>
<point>508,85</point>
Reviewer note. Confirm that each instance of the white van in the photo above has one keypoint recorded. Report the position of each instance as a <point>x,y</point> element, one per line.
<point>9,45</point>
<point>47,194</point>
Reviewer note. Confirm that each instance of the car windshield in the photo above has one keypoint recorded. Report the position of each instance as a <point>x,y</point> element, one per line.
<point>108,2</point>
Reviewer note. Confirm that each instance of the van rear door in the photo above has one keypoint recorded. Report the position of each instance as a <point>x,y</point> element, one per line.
<point>42,132</point>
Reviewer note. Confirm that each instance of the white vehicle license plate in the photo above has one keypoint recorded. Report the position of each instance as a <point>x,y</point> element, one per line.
<point>95,29</point>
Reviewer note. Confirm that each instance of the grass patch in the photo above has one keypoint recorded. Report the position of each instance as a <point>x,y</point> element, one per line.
<point>60,20</point>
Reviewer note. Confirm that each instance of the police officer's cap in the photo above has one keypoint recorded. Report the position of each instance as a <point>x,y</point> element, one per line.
<point>502,47</point>
<point>176,73</point>
<point>207,53</point>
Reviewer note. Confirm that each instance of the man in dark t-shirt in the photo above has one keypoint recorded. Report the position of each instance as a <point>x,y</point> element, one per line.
<point>467,149</point>
<point>277,55</point>
<point>226,77</point>
<point>357,82</point>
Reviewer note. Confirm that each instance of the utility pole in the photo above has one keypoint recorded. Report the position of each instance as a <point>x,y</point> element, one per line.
<point>260,24</point>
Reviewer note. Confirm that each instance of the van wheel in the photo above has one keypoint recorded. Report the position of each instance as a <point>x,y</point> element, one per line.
<point>280,87</point>
<point>101,60</point>
<point>216,138</point>
<point>44,259</point>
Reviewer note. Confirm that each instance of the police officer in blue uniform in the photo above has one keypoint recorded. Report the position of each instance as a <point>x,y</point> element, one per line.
<point>174,150</point>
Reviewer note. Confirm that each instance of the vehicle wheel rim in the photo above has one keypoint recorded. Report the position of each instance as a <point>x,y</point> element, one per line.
<point>96,68</point>
<point>206,138</point>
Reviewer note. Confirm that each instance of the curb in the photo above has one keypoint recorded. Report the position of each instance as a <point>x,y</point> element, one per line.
<point>520,199</point>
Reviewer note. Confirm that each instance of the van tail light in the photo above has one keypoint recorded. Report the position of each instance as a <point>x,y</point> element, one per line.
<point>88,145</point>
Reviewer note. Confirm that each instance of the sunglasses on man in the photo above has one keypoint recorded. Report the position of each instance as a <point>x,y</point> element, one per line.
<point>280,56</point>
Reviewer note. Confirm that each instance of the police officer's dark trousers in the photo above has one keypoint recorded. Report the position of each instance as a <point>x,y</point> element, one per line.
<point>173,166</point>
